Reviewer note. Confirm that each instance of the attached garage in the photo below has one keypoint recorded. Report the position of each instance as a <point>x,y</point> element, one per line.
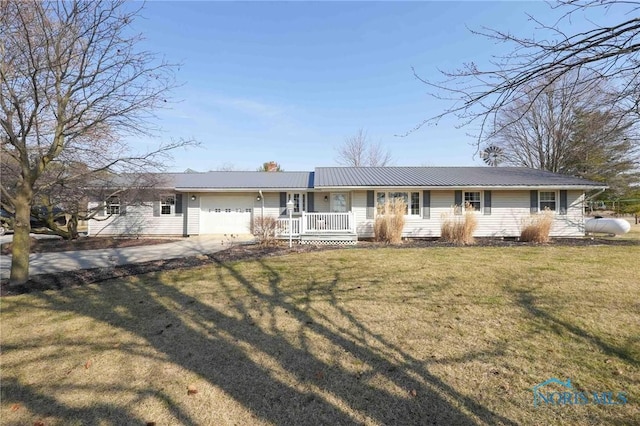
<point>226,214</point>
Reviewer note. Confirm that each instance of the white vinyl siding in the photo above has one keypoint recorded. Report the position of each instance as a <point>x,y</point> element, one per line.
<point>192,218</point>
<point>139,220</point>
<point>509,210</point>
<point>571,224</point>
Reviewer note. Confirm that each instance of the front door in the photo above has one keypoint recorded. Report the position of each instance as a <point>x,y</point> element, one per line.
<point>339,202</point>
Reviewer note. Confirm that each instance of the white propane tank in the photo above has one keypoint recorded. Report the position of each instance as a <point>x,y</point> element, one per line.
<point>607,225</point>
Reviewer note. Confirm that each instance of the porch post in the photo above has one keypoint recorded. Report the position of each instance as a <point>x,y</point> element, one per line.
<point>290,209</point>
<point>303,222</point>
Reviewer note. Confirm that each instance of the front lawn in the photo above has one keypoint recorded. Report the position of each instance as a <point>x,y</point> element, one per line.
<point>353,336</point>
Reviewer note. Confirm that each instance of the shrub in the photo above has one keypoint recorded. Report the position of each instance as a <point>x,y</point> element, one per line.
<point>390,221</point>
<point>458,228</point>
<point>264,228</point>
<point>537,228</point>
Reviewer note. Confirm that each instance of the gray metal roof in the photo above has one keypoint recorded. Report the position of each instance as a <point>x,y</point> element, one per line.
<point>133,180</point>
<point>229,180</point>
<point>335,177</point>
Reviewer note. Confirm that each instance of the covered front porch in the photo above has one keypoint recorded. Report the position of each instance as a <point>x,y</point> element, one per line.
<point>319,228</point>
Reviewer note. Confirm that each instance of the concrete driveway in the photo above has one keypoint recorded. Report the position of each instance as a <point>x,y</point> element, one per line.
<point>45,263</point>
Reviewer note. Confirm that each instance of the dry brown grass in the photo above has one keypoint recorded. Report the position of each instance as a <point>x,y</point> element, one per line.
<point>459,228</point>
<point>388,336</point>
<point>389,222</point>
<point>537,228</point>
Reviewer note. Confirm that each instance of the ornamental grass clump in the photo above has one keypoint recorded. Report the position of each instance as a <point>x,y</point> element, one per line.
<point>458,228</point>
<point>389,222</point>
<point>537,228</point>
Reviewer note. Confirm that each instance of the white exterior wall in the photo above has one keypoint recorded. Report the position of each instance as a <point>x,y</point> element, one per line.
<point>319,204</point>
<point>571,224</point>
<point>271,205</point>
<point>138,220</point>
<point>510,210</point>
<point>193,214</point>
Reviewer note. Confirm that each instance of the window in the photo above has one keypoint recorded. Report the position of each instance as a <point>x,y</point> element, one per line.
<point>167,204</point>
<point>411,200</point>
<point>547,200</point>
<point>113,205</point>
<point>415,203</point>
<point>472,199</point>
<point>299,201</point>
<point>339,202</point>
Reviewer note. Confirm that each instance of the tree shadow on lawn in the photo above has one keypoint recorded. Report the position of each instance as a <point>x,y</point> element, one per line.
<point>528,301</point>
<point>45,406</point>
<point>220,347</point>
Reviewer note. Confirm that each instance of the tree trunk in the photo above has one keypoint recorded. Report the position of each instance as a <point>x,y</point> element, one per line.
<point>21,243</point>
<point>72,227</point>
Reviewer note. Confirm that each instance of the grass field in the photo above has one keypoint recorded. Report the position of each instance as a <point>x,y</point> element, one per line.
<point>354,336</point>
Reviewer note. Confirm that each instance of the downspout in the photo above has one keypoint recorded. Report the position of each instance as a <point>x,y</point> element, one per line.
<point>185,206</point>
<point>589,198</point>
<point>262,208</point>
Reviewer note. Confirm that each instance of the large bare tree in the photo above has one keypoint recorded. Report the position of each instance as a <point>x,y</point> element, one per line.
<point>73,85</point>
<point>566,129</point>
<point>604,52</point>
<point>359,151</point>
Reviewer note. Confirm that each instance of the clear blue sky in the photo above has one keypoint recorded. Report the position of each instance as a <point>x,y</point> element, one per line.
<point>290,81</point>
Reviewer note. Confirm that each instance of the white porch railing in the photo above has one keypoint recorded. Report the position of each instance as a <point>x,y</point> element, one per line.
<point>282,227</point>
<point>322,223</point>
<point>317,223</point>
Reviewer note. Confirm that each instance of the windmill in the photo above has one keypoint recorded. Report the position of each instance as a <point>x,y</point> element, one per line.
<point>492,155</point>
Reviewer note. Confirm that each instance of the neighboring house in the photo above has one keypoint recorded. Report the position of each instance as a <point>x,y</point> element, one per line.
<point>334,204</point>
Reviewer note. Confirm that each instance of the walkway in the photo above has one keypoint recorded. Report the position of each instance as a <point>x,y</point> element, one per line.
<point>45,263</point>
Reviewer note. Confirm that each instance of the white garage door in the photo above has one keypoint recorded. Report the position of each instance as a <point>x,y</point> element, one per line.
<point>225,214</point>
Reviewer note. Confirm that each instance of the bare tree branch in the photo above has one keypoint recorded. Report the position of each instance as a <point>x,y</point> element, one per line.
<point>73,85</point>
<point>358,151</point>
<point>605,52</point>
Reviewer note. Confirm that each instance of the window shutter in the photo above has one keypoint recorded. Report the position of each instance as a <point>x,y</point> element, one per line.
<point>283,203</point>
<point>123,208</point>
<point>457,201</point>
<point>487,202</point>
<point>533,205</point>
<point>426,204</point>
<point>101,209</point>
<point>156,208</point>
<point>370,205</point>
<point>310,203</point>
<point>178,203</point>
<point>563,202</point>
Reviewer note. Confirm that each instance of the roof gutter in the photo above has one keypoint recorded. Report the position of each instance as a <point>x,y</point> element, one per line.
<point>463,187</point>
